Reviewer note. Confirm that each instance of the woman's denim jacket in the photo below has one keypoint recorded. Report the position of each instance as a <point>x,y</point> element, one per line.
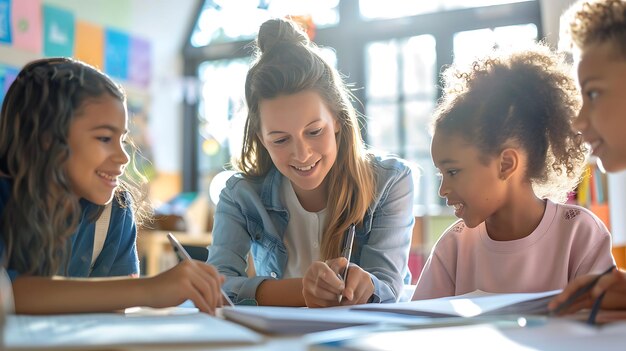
<point>251,216</point>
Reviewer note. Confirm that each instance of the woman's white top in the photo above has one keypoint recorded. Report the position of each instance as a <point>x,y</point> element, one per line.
<point>303,235</point>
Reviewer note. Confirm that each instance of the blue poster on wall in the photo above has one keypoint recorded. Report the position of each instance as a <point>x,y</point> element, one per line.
<point>58,31</point>
<point>2,92</point>
<point>7,76</point>
<point>5,21</point>
<point>10,73</point>
<point>116,48</point>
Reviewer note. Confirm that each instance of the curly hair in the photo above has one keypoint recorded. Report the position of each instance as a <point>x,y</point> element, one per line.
<point>41,213</point>
<point>524,99</point>
<point>596,21</point>
<point>288,63</point>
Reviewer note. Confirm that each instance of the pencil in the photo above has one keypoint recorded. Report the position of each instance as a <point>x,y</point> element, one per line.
<point>183,254</point>
<point>580,292</point>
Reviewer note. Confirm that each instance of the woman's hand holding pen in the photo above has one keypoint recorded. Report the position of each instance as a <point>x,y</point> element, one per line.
<point>190,279</point>
<point>613,283</point>
<point>358,287</point>
<point>322,284</point>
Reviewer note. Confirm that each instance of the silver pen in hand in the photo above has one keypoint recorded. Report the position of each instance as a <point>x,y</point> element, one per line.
<point>346,252</point>
<point>184,255</point>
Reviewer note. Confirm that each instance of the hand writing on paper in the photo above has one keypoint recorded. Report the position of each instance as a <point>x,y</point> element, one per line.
<point>614,284</point>
<point>190,279</point>
<point>322,284</point>
<point>358,288</point>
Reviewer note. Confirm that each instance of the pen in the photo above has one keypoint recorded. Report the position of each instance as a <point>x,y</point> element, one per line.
<point>184,255</point>
<point>346,252</point>
<point>580,292</point>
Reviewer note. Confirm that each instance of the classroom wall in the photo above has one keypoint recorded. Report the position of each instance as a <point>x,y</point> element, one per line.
<point>164,23</point>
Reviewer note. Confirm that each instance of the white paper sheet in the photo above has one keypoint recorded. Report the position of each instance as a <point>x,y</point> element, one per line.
<point>477,303</point>
<point>558,334</point>
<point>111,329</point>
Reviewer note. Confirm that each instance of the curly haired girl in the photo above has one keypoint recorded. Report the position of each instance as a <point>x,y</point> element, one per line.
<point>507,154</point>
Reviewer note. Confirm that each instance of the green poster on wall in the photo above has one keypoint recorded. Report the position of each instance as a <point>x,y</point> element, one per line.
<point>58,31</point>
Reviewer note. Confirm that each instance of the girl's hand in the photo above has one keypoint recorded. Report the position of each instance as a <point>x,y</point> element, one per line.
<point>190,279</point>
<point>322,285</point>
<point>614,284</point>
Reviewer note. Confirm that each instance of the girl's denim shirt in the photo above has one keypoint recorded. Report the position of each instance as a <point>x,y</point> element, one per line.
<point>251,217</point>
<point>119,254</point>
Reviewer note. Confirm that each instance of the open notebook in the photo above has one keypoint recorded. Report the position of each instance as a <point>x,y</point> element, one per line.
<point>107,330</point>
<point>477,303</point>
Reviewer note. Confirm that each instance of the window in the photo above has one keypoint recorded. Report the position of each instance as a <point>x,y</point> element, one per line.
<point>376,9</point>
<point>392,63</point>
<point>401,92</point>
<point>470,44</point>
<point>232,20</point>
<point>219,115</point>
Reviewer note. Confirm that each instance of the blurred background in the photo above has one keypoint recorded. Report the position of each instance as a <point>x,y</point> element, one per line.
<point>183,64</point>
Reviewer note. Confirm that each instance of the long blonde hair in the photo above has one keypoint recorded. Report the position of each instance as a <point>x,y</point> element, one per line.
<point>288,63</point>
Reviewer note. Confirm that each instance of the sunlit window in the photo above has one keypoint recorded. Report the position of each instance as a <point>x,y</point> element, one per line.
<point>471,44</point>
<point>376,9</point>
<point>401,92</point>
<point>231,20</point>
<point>219,113</point>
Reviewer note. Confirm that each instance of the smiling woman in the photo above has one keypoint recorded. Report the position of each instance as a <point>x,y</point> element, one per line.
<point>303,149</point>
<point>305,178</point>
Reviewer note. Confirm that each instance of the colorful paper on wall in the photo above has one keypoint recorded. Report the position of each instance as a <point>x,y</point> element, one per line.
<point>116,51</point>
<point>26,25</point>
<point>10,73</point>
<point>139,65</point>
<point>89,44</point>
<point>7,76</point>
<point>5,21</point>
<point>58,31</point>
<point>2,92</point>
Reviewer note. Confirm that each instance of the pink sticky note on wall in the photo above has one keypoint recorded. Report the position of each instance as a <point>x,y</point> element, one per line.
<point>26,25</point>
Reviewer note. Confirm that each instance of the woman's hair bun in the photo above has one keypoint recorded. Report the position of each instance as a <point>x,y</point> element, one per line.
<point>279,30</point>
